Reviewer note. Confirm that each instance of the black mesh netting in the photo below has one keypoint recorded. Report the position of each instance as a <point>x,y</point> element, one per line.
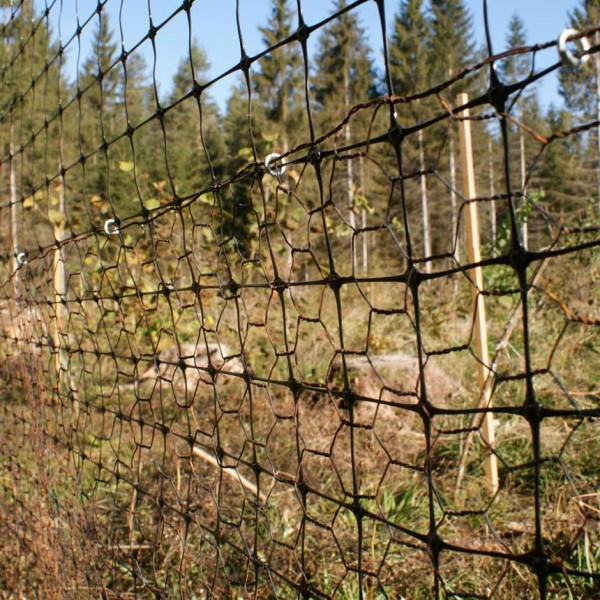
<point>333,333</point>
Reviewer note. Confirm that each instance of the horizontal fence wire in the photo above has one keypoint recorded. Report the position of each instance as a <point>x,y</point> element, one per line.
<point>331,334</point>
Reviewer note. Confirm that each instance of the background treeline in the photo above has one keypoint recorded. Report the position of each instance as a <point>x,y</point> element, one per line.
<point>105,146</point>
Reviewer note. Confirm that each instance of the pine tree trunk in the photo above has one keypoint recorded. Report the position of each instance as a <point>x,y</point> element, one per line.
<point>21,318</point>
<point>284,121</point>
<point>363,214</point>
<point>454,215</point>
<point>424,205</point>
<point>14,224</point>
<point>597,40</point>
<point>349,168</point>
<point>524,231</point>
<point>60,293</point>
<point>492,192</point>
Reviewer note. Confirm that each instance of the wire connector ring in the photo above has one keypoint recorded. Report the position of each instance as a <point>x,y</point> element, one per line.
<point>112,227</point>
<point>274,171</point>
<point>22,258</point>
<point>566,55</point>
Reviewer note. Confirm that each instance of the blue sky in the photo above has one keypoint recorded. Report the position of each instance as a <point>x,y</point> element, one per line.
<point>214,26</point>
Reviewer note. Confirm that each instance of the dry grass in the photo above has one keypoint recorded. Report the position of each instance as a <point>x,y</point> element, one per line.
<point>177,482</point>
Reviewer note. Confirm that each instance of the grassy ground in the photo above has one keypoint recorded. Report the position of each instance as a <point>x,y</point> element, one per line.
<point>199,482</point>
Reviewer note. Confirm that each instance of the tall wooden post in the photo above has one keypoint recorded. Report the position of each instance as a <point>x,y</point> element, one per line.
<point>60,332</point>
<point>474,257</point>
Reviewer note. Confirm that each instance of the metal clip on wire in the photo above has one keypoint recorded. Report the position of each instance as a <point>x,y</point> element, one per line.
<point>274,171</point>
<point>566,55</point>
<point>112,227</point>
<point>22,258</point>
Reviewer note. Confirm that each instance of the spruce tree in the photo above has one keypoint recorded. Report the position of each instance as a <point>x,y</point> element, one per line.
<point>517,67</point>
<point>580,86</point>
<point>194,141</point>
<point>237,198</point>
<point>137,108</point>
<point>100,83</point>
<point>29,91</point>
<point>409,63</point>
<point>409,59</point>
<point>278,85</point>
<point>451,42</point>
<point>344,72</point>
<point>344,77</point>
<point>561,176</point>
<point>451,49</point>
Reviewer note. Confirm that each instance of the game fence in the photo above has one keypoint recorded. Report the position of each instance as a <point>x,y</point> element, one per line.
<point>324,341</point>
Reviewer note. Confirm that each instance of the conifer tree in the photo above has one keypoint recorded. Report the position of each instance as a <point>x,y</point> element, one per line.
<point>580,86</point>
<point>409,59</point>
<point>194,141</point>
<point>561,176</point>
<point>409,62</point>
<point>29,91</point>
<point>451,45</point>
<point>344,68</point>
<point>100,83</point>
<point>344,77</point>
<point>237,198</point>
<point>451,50</point>
<point>278,84</point>
<point>137,107</point>
<point>516,68</point>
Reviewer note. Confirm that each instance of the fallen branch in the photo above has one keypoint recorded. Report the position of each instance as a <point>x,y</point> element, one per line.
<point>234,473</point>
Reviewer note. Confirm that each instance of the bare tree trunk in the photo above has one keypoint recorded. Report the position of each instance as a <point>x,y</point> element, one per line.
<point>524,231</point>
<point>597,40</point>
<point>365,242</point>
<point>349,190</point>
<point>19,318</point>
<point>424,205</point>
<point>60,286</point>
<point>14,223</point>
<point>349,168</point>
<point>454,215</point>
<point>363,214</point>
<point>492,192</point>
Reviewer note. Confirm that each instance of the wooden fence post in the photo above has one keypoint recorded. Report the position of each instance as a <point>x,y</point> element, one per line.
<point>476,274</point>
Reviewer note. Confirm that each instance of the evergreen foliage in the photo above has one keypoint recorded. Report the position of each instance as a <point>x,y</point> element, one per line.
<point>409,56</point>
<point>451,43</point>
<point>279,107</point>
<point>123,150</point>
<point>578,84</point>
